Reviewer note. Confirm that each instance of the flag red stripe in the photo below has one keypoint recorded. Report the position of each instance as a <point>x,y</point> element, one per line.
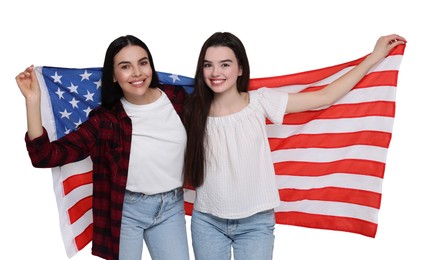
<point>374,79</point>
<point>327,222</point>
<point>360,197</point>
<point>355,166</point>
<point>300,78</point>
<point>331,140</point>
<point>379,78</point>
<point>308,77</point>
<point>84,238</point>
<point>376,108</point>
<point>79,208</point>
<point>399,50</point>
<point>188,208</point>
<point>76,181</point>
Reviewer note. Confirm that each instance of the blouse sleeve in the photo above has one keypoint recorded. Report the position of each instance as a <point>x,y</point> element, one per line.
<point>273,102</point>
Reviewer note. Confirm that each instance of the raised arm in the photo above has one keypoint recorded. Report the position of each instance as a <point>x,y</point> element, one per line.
<point>28,84</point>
<point>298,102</point>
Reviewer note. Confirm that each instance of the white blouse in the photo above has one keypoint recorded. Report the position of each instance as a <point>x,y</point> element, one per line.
<point>239,174</point>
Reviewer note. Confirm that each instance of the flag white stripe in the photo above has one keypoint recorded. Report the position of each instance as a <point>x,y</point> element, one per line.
<point>69,170</point>
<point>47,117</point>
<point>189,195</point>
<point>300,87</point>
<point>362,152</point>
<point>340,180</point>
<point>363,95</point>
<point>341,125</point>
<point>78,194</point>
<point>83,222</point>
<point>388,64</point>
<point>369,94</point>
<point>338,209</point>
<point>68,234</point>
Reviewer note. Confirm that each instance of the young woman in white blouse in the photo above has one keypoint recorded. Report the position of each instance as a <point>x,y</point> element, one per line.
<point>228,159</point>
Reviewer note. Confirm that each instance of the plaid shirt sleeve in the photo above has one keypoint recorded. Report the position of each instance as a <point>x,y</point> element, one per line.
<point>73,147</point>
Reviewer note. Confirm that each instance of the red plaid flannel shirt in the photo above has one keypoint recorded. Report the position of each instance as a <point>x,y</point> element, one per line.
<point>106,138</point>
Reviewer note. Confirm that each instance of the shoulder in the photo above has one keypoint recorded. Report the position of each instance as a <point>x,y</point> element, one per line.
<point>263,90</point>
<point>105,114</point>
<point>174,92</point>
<point>99,112</point>
<point>267,93</point>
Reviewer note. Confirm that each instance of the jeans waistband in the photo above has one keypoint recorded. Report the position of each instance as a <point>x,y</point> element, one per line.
<point>174,192</point>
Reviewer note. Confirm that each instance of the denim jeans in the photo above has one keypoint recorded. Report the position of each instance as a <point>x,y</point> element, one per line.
<point>252,238</point>
<point>159,219</point>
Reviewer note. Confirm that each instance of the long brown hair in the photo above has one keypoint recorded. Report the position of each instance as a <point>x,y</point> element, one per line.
<point>199,103</point>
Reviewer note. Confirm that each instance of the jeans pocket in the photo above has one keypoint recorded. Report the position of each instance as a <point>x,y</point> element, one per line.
<point>132,197</point>
<point>177,195</point>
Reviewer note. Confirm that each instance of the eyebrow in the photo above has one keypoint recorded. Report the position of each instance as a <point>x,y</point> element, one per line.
<point>125,62</point>
<point>227,60</point>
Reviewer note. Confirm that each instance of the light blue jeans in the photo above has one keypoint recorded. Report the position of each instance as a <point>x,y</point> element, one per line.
<point>252,238</point>
<point>159,219</point>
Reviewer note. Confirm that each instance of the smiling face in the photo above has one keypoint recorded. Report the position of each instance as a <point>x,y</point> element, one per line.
<point>221,69</point>
<point>133,73</point>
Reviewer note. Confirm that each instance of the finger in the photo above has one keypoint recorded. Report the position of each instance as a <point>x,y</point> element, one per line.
<point>395,42</point>
<point>32,72</point>
<point>396,38</point>
<point>26,73</point>
<point>20,75</point>
<point>30,68</point>
<point>400,38</point>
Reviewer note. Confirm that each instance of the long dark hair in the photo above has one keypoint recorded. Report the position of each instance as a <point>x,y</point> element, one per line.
<point>111,92</point>
<point>199,103</point>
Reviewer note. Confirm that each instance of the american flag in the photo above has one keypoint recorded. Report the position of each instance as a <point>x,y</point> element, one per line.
<point>329,162</point>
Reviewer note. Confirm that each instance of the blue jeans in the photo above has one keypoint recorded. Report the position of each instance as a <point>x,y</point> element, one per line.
<point>251,237</point>
<point>159,219</point>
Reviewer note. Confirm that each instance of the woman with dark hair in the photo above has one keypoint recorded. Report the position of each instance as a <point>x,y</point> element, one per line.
<point>228,159</point>
<point>136,141</point>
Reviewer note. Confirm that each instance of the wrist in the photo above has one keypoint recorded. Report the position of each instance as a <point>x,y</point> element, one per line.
<point>372,59</point>
<point>33,102</point>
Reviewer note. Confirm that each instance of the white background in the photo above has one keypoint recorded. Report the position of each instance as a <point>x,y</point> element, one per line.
<point>281,37</point>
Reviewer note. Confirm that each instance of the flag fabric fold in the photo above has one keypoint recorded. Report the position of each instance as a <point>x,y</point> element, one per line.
<point>329,162</point>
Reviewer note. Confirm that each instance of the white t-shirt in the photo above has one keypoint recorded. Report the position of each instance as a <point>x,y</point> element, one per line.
<point>239,174</point>
<point>158,144</point>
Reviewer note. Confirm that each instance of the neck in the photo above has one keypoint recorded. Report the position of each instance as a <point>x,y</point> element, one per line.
<point>228,103</point>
